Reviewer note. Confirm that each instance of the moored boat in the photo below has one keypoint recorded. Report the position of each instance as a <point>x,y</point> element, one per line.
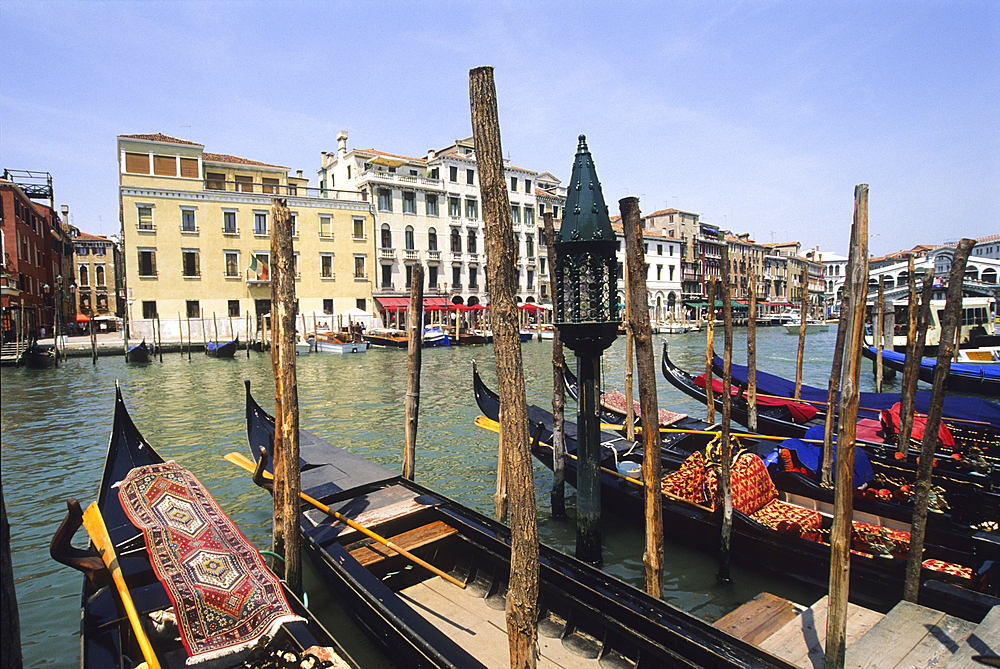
<point>981,378</point>
<point>261,618</point>
<point>37,356</point>
<point>387,337</point>
<point>139,353</point>
<point>339,342</point>
<point>811,327</point>
<point>217,350</point>
<point>587,619</point>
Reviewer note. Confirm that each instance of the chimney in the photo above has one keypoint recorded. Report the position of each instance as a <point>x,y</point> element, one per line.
<point>298,173</point>
<point>342,143</point>
<point>430,155</point>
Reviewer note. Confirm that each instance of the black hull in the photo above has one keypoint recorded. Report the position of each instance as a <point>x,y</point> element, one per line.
<point>625,626</point>
<point>875,582</point>
<point>224,350</point>
<point>957,380</point>
<point>139,354</point>
<point>107,639</point>
<point>37,357</point>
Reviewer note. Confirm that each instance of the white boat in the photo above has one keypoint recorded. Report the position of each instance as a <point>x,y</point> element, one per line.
<point>329,342</point>
<point>302,345</point>
<point>975,322</point>
<point>811,327</point>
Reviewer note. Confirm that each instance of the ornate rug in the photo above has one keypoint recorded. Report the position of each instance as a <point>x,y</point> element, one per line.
<point>224,597</point>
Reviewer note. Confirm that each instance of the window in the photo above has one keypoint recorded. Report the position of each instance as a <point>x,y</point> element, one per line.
<point>99,276</point>
<point>147,262</point>
<point>431,200</point>
<point>473,278</point>
<point>456,277</point>
<point>80,251</point>
<point>432,240</point>
<point>408,238</point>
<point>387,277</point>
<point>470,177</point>
<point>325,227</point>
<point>385,199</point>
<point>84,276</point>
<point>471,246</point>
<point>232,263</point>
<point>149,309</point>
<point>456,241</point>
<point>293,220</point>
<point>187,220</point>
<point>409,275</point>
<point>215,181</point>
<point>386,236</point>
<point>137,163</point>
<point>527,185</point>
<point>193,309</point>
<point>234,308</point>
<point>229,223</point>
<point>145,218</point>
<point>513,184</point>
<point>260,223</point>
<point>409,202</point>
<point>261,265</point>
<point>189,262</point>
<point>189,168</point>
<point>432,276</point>
<point>659,272</point>
<point>327,306</point>
<point>359,228</point>
<point>270,185</point>
<point>359,267</point>
<point>165,166</point>
<point>515,213</point>
<point>453,174</point>
<point>555,212</point>
<point>529,246</point>
<point>326,265</point>
<point>244,184</point>
<point>529,216</point>
<point>454,207</point>
<point>472,209</point>
<point>531,280</point>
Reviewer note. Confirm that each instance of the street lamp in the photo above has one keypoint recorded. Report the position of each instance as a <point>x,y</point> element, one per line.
<point>587,315</point>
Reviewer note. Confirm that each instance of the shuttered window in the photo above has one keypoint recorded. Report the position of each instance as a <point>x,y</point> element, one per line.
<point>270,185</point>
<point>244,184</point>
<point>215,181</point>
<point>137,163</point>
<point>189,168</point>
<point>165,166</point>
<point>145,218</point>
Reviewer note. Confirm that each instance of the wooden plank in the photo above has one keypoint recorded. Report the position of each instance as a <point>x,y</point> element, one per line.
<point>802,641</point>
<point>898,633</point>
<point>369,551</point>
<point>985,640</point>
<point>759,618</point>
<point>939,644</point>
<point>373,509</point>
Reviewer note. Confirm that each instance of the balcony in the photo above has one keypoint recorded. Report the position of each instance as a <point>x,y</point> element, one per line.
<point>251,188</point>
<point>189,230</point>
<point>145,228</point>
<point>410,255</point>
<point>385,253</point>
<point>456,256</point>
<point>474,258</point>
<point>384,176</point>
<point>230,231</point>
<point>434,256</point>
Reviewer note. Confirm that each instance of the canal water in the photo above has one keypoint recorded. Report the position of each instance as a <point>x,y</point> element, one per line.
<point>55,425</point>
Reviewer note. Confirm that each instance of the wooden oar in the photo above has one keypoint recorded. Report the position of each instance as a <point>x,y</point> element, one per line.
<point>98,532</point>
<point>668,430</point>
<point>246,464</point>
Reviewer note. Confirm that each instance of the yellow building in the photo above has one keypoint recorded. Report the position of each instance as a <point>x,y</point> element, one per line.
<point>196,229</point>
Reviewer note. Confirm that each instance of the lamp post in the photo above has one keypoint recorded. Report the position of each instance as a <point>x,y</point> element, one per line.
<point>587,315</point>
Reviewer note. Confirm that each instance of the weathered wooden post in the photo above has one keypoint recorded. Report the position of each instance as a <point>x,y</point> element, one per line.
<point>878,335</point>
<point>215,327</point>
<point>640,328</point>
<point>189,334</point>
<point>415,336</point>
<point>911,368</point>
<point>840,534</point>
<point>522,596</point>
<point>945,351</point>
<point>10,625</point>
<point>752,357</point>
<point>803,321</point>
<point>159,336</point>
<point>724,492</point>
<point>629,357</point>
<point>709,350</point>
<point>180,331</point>
<point>557,498</point>
<point>833,387</point>
<point>93,338</point>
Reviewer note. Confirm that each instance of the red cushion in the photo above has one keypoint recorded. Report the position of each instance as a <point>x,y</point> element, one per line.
<point>688,481</point>
<point>776,512</point>
<point>751,484</point>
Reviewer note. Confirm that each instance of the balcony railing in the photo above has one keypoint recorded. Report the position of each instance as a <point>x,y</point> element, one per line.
<point>387,253</point>
<point>411,254</point>
<point>434,255</point>
<point>473,257</point>
<point>284,189</point>
<point>230,231</point>
<point>384,176</point>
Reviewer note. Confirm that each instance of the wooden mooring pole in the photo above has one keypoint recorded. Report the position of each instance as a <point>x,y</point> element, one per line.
<point>286,490</point>
<point>843,504</point>
<point>752,357</point>
<point>709,350</point>
<point>803,322</point>
<point>642,330</point>
<point>557,497</point>
<point>724,491</point>
<point>878,335</point>
<point>911,368</point>
<point>836,370</point>
<point>10,625</point>
<point>945,351</point>
<point>415,336</point>
<point>522,595</point>
<point>159,336</point>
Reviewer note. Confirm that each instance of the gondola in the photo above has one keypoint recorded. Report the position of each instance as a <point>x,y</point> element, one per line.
<point>587,618</point>
<point>139,353</point>
<point>107,637</point>
<point>37,356</point>
<point>969,479</point>
<point>216,350</point>
<point>785,536</point>
<point>963,377</point>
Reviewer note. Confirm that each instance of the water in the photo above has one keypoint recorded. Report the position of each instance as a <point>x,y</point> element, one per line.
<point>55,425</point>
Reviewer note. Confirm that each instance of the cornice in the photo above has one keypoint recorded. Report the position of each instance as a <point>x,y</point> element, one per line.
<point>230,197</point>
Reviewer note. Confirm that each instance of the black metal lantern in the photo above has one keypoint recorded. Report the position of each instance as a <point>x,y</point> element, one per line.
<point>586,273</point>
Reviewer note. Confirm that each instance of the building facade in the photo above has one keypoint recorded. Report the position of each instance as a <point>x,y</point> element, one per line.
<point>95,263</point>
<point>196,234</point>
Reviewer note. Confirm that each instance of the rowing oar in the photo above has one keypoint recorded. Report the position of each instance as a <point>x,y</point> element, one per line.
<point>98,532</point>
<point>246,464</point>
<point>750,435</point>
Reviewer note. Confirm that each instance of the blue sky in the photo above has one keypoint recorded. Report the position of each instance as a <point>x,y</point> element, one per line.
<point>760,116</point>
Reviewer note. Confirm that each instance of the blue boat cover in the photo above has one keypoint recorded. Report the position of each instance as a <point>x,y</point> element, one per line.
<point>811,455</point>
<point>967,408</point>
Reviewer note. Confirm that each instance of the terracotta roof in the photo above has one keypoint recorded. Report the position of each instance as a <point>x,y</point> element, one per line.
<point>87,237</point>
<point>234,160</point>
<point>158,137</point>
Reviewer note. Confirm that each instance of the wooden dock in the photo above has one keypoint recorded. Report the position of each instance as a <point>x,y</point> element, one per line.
<point>910,636</point>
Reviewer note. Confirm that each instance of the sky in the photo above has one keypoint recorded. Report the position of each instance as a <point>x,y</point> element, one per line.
<point>761,117</point>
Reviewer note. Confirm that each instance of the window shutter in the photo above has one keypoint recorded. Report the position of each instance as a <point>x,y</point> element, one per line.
<point>152,261</point>
<point>189,168</point>
<point>137,163</point>
<point>165,166</point>
<point>197,264</point>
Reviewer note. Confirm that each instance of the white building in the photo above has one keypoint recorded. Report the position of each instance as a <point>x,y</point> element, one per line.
<point>428,211</point>
<point>663,259</point>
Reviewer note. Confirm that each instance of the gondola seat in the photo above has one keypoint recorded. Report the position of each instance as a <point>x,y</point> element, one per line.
<point>688,482</point>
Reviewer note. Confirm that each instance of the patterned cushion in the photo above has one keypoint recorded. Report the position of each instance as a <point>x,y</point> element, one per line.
<point>880,540</point>
<point>688,481</point>
<point>751,484</point>
<point>776,511</point>
<point>955,571</point>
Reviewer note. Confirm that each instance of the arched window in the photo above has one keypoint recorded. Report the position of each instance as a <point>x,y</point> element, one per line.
<point>409,238</point>
<point>456,241</point>
<point>432,240</point>
<point>99,275</point>
<point>472,241</point>
<point>84,276</point>
<point>386,236</point>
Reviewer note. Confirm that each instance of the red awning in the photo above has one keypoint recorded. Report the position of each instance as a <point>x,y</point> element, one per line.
<point>431,303</point>
<point>82,318</point>
<point>394,302</point>
<point>437,301</point>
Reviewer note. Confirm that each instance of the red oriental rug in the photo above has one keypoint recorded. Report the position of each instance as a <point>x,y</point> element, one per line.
<point>224,597</point>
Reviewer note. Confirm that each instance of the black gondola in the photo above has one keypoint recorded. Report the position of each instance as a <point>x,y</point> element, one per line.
<point>876,580</point>
<point>587,618</point>
<point>107,636</point>
<point>139,353</point>
<point>963,377</point>
<point>37,356</point>
<point>217,350</point>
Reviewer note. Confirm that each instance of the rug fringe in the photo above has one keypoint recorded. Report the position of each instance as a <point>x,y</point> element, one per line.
<point>268,635</point>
